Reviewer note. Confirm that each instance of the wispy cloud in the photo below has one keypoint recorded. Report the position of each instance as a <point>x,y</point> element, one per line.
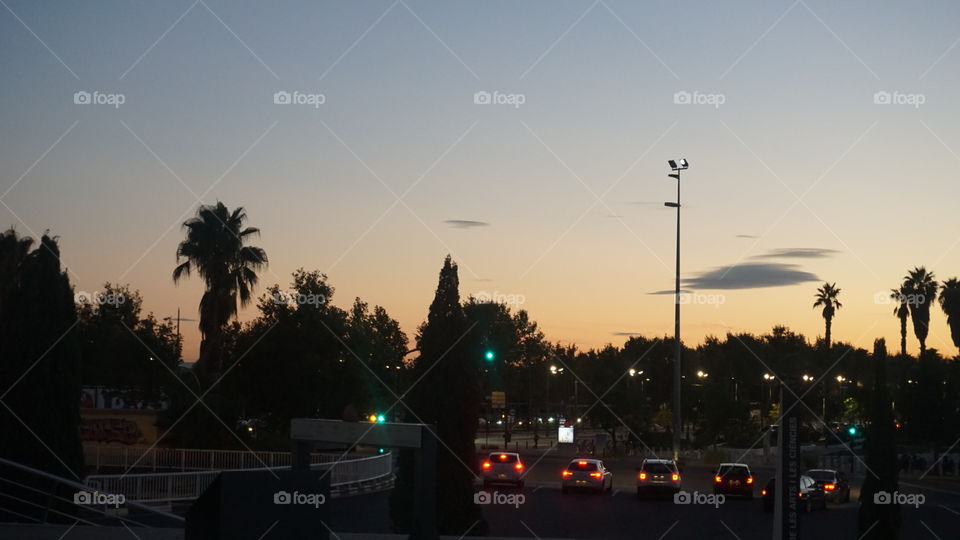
<point>747,236</point>
<point>751,276</point>
<point>671,291</point>
<point>465,223</point>
<point>797,253</point>
<point>628,334</point>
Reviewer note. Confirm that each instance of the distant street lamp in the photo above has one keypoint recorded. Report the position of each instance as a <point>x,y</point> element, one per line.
<point>677,375</point>
<point>807,378</point>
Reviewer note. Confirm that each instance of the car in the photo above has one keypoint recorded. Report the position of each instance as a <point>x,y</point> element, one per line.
<point>835,485</point>
<point>811,496</point>
<point>503,468</point>
<point>589,474</point>
<point>733,479</point>
<point>658,476</point>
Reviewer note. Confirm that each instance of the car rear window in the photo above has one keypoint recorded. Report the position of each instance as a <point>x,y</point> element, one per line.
<point>736,470</point>
<point>503,458</point>
<point>657,468</point>
<point>821,475</point>
<point>582,466</point>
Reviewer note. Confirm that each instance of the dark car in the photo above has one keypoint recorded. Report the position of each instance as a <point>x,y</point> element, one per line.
<point>733,479</point>
<point>810,496</point>
<point>834,484</point>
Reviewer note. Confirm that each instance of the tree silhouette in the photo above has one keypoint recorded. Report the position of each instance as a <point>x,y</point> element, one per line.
<point>921,286</point>
<point>902,311</point>
<point>214,248</point>
<point>827,297</point>
<point>950,303</point>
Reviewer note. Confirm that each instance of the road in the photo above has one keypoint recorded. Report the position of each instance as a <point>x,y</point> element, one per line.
<point>546,513</point>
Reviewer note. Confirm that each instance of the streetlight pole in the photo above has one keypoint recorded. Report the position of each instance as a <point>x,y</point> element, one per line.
<point>677,374</point>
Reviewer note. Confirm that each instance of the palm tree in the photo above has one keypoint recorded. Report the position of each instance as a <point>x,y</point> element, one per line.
<point>902,312</point>
<point>214,247</point>
<point>827,297</point>
<point>950,303</point>
<point>921,288</point>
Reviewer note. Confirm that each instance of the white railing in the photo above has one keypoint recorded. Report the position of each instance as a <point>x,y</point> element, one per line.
<point>187,459</point>
<point>346,475</point>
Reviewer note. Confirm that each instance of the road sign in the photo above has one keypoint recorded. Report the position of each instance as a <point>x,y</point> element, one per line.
<point>498,400</point>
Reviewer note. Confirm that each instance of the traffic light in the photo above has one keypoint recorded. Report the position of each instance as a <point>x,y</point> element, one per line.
<point>377,418</point>
<point>489,355</point>
<point>852,430</point>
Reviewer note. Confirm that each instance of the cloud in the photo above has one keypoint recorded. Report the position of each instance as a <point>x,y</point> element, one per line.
<point>628,334</point>
<point>751,276</point>
<point>797,253</point>
<point>747,236</point>
<point>465,223</point>
<point>671,291</point>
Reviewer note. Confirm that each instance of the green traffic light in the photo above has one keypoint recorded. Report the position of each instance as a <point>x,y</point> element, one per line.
<point>852,430</point>
<point>381,418</point>
<point>489,355</point>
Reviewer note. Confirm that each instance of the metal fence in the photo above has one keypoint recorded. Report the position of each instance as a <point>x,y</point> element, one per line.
<point>187,459</point>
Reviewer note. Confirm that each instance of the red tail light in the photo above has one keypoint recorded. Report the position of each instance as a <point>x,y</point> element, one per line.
<point>749,479</point>
<point>642,476</point>
<point>675,477</point>
<point>829,487</point>
<point>596,475</point>
<point>503,457</point>
<point>487,465</point>
<point>581,463</point>
<point>518,466</point>
<point>567,474</point>
<point>717,479</point>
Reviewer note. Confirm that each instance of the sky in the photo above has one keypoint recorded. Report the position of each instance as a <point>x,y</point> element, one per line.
<point>527,139</point>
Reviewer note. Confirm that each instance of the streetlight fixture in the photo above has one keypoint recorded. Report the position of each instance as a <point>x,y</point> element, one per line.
<point>840,378</point>
<point>677,375</point>
<point>807,378</point>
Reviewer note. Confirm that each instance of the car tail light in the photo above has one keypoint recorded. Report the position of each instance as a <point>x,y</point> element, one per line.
<point>718,479</point>
<point>581,463</point>
<point>596,474</point>
<point>763,493</point>
<point>518,466</point>
<point>749,479</point>
<point>675,477</point>
<point>487,465</point>
<point>503,457</point>
<point>799,494</point>
<point>567,474</point>
<point>829,487</point>
<point>642,476</point>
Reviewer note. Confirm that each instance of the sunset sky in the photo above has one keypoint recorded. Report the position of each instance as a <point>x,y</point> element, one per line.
<point>823,139</point>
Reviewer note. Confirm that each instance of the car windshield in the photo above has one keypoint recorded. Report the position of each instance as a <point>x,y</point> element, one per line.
<point>657,468</point>
<point>823,476</point>
<point>503,458</point>
<point>582,466</point>
<point>733,470</point>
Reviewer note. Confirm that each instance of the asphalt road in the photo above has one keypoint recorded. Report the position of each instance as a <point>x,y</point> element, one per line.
<point>546,513</point>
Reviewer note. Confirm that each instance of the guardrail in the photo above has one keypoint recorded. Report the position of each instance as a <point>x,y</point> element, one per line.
<point>187,459</point>
<point>347,477</point>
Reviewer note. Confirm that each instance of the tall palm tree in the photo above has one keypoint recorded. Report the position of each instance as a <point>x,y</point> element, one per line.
<point>827,297</point>
<point>214,247</point>
<point>921,287</point>
<point>903,313</point>
<point>950,303</point>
